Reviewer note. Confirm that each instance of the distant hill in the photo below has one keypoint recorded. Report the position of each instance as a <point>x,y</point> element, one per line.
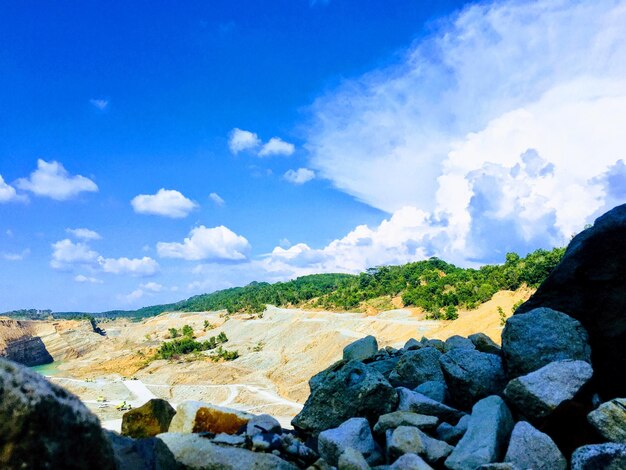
<point>434,285</point>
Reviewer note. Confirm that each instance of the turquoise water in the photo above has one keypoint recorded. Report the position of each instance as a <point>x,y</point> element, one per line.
<point>47,369</point>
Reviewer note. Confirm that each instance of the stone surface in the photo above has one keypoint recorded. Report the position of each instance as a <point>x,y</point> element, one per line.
<point>437,391</point>
<point>609,419</point>
<point>418,403</point>
<point>452,434</point>
<point>530,448</point>
<point>142,454</point>
<point>384,366</point>
<point>405,440</point>
<point>589,285</point>
<point>263,423</point>
<point>534,339</point>
<point>485,441</point>
<point>484,343</point>
<point>354,390</point>
<point>405,418</point>
<point>361,349</point>
<point>417,367</point>
<point>435,450</point>
<point>458,342</point>
<point>500,466</point>
<point>44,426</point>
<point>352,459</point>
<point>539,393</point>
<point>609,456</point>
<point>434,343</point>
<point>472,375</point>
<point>354,433</point>
<point>152,418</point>
<point>197,416</point>
<point>410,462</point>
<point>412,344</point>
<point>197,452</point>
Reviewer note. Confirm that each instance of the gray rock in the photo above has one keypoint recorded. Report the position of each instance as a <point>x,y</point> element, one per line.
<point>418,403</point>
<point>435,450</point>
<point>434,343</point>
<point>530,448</point>
<point>500,466</point>
<point>44,426</point>
<point>484,343</point>
<point>384,366</point>
<point>534,339</point>
<point>265,442</point>
<point>456,341</point>
<point>609,419</point>
<point>417,367</point>
<point>263,423</point>
<point>539,393</point>
<point>405,418</point>
<point>472,375</point>
<point>295,448</point>
<point>488,431</point>
<point>197,452</point>
<point>352,459</point>
<point>141,454</point>
<point>321,464</point>
<point>354,433</point>
<point>452,434</point>
<point>412,344</point>
<point>410,462</point>
<point>609,456</point>
<point>230,439</point>
<point>352,391</point>
<point>405,440</point>
<point>361,349</point>
<point>437,391</point>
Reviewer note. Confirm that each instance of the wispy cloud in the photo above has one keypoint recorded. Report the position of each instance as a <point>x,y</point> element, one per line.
<point>100,104</point>
<point>15,256</point>
<point>52,180</point>
<point>87,279</point>
<point>166,202</point>
<point>83,233</point>
<point>7,192</point>
<point>217,200</point>
<point>299,176</point>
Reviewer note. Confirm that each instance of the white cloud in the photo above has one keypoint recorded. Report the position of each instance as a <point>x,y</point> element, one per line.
<point>276,146</point>
<point>83,233</point>
<point>145,266</point>
<point>15,256</point>
<point>133,297</point>
<point>240,140</point>
<point>100,104</point>
<point>7,192</point>
<point>299,176</point>
<point>216,199</point>
<point>52,180</point>
<point>166,202</point>
<point>152,286</point>
<point>87,279</point>
<point>66,253</point>
<point>218,244</point>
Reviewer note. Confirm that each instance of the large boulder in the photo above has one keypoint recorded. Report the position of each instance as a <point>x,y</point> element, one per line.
<point>152,418</point>
<point>353,390</point>
<point>404,418</point>
<point>418,403</point>
<point>453,434</point>
<point>361,349</point>
<point>530,448</point>
<point>44,426</point>
<point>589,285</point>
<point>609,419</point>
<point>142,454</point>
<point>417,367</point>
<point>484,343</point>
<point>438,391</point>
<point>472,375</point>
<point>354,433</point>
<point>539,393</point>
<point>609,456</point>
<point>458,342</point>
<point>405,440</point>
<point>485,441</point>
<point>352,459</point>
<point>541,336</point>
<point>197,416</point>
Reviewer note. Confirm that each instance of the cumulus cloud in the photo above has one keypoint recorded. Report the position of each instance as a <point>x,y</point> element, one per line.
<point>52,180</point>
<point>87,279</point>
<point>145,266</point>
<point>216,199</point>
<point>7,192</point>
<point>66,254</point>
<point>166,202</point>
<point>217,244</point>
<point>276,146</point>
<point>83,233</point>
<point>299,176</point>
<point>100,104</point>
<point>240,140</point>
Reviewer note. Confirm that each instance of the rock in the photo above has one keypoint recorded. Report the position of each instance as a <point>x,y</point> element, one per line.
<point>434,390</point>
<point>361,349</point>
<point>484,343</point>
<point>197,452</point>
<point>320,377</point>
<point>141,454</point>
<point>237,440</point>
<point>197,416</point>
<point>384,366</point>
<point>456,341</point>
<point>352,391</point>
<point>609,419</point>
<point>265,442</point>
<point>412,344</point>
<point>321,464</point>
<point>354,433</point>
<point>452,434</point>
<point>589,285</point>
<point>488,431</point>
<point>435,450</point>
<point>352,459</point>
<point>472,375</point>
<point>500,466</point>
<point>530,448</point>
<point>417,367</point>
<point>539,393</point>
<point>295,448</point>
<point>405,440</point>
<point>405,418</point>
<point>421,404</point>
<point>609,456</point>
<point>263,423</point>
<point>534,339</point>
<point>44,426</point>
<point>152,418</point>
<point>410,462</point>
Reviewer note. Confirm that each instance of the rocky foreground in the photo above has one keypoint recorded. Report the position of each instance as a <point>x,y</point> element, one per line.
<point>551,397</point>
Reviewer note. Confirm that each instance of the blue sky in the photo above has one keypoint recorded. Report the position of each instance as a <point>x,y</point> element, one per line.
<point>153,151</point>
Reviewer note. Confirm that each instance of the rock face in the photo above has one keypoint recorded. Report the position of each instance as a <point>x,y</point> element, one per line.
<point>530,448</point>
<point>589,285</point>
<point>472,375</point>
<point>361,349</point>
<point>142,454</point>
<point>609,419</point>
<point>488,431</point>
<point>354,433</point>
<point>417,367</point>
<point>197,416</point>
<point>150,419</point>
<point>418,403</point>
<point>354,390</point>
<point>534,339</point>
<point>601,456</point>
<point>437,391</point>
<point>44,426</point>
<point>539,393</point>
